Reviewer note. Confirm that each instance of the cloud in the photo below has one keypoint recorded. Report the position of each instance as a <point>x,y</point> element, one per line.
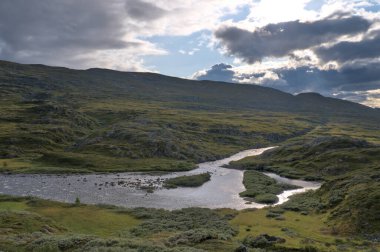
<point>326,51</point>
<point>98,33</point>
<point>349,51</point>
<point>73,33</point>
<point>143,11</point>
<point>27,25</point>
<point>370,97</point>
<point>328,81</point>
<point>219,72</point>
<point>281,39</point>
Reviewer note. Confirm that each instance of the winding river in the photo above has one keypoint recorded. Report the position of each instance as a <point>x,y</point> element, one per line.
<point>127,189</point>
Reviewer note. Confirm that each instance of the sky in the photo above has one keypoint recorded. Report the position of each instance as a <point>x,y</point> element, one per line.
<point>327,46</point>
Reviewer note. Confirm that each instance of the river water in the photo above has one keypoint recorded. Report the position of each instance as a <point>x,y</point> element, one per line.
<point>127,189</point>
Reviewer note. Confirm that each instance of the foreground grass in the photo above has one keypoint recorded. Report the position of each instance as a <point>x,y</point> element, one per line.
<point>187,181</point>
<point>30,224</point>
<point>299,231</point>
<point>89,220</point>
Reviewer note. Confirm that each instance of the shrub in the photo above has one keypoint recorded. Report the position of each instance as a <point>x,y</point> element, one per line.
<point>262,241</point>
<point>266,198</point>
<point>183,220</point>
<point>193,236</point>
<point>187,181</point>
<point>77,201</point>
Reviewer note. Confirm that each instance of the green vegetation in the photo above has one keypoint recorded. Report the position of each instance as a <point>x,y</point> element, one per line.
<point>262,189</point>
<point>57,120</point>
<point>187,181</point>
<point>317,159</point>
<point>351,170</point>
<point>31,224</point>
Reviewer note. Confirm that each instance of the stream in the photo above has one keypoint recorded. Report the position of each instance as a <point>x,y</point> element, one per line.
<point>126,189</point>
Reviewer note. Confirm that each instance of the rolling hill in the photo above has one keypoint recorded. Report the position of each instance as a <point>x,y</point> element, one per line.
<point>55,119</point>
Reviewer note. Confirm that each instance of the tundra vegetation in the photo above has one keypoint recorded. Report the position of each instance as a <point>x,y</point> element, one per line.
<point>57,120</point>
<point>349,169</point>
<point>31,224</point>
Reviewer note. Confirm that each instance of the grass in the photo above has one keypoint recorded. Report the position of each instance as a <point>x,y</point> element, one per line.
<point>42,225</point>
<point>295,228</point>
<point>157,138</point>
<point>319,158</point>
<point>90,220</point>
<point>83,219</point>
<point>187,181</point>
<point>261,188</point>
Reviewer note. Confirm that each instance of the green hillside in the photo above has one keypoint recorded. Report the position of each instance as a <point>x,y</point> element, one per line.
<point>350,169</point>
<point>60,120</point>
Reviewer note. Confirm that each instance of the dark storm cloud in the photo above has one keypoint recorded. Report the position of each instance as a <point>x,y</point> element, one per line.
<point>281,39</point>
<point>349,78</point>
<point>219,72</point>
<point>350,51</point>
<point>143,11</point>
<point>54,30</point>
<point>346,82</point>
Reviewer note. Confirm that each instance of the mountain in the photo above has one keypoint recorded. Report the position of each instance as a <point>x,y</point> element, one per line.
<point>156,87</point>
<point>55,119</point>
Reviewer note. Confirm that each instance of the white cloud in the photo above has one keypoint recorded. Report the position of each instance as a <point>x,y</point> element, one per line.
<point>373,98</point>
<point>186,17</point>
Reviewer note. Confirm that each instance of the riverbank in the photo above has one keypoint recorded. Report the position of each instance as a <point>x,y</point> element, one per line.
<point>349,168</point>
<point>131,189</point>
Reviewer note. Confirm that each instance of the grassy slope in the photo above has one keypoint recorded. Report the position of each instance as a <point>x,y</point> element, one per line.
<point>350,169</point>
<point>61,120</point>
<point>318,159</point>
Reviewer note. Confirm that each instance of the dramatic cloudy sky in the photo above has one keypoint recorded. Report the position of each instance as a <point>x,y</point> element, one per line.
<point>326,46</point>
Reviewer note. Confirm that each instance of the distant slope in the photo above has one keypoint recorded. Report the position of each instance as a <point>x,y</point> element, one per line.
<point>54,119</point>
<point>156,87</point>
